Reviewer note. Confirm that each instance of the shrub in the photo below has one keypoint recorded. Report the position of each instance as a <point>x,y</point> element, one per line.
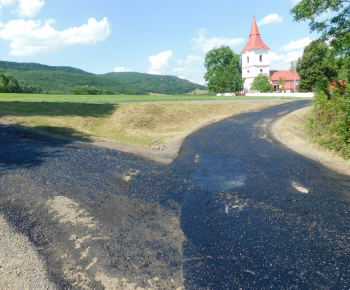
<point>329,120</point>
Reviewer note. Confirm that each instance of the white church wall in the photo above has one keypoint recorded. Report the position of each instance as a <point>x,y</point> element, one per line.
<point>247,84</point>
<point>258,62</point>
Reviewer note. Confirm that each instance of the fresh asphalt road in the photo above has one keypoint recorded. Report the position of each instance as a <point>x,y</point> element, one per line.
<point>235,210</point>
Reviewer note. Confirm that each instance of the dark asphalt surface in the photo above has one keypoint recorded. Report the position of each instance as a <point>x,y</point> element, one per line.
<point>235,210</point>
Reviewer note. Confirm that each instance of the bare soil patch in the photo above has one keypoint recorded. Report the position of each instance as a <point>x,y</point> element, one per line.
<point>291,132</point>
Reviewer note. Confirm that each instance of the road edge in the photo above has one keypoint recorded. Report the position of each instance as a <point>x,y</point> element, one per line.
<point>289,130</point>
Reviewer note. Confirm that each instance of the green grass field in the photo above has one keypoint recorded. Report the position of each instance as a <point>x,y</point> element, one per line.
<point>113,99</point>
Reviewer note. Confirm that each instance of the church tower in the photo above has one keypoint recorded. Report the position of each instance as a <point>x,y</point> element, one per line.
<point>255,57</point>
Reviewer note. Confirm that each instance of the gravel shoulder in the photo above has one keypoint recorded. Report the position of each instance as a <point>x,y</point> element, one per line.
<point>290,131</point>
<point>20,266</point>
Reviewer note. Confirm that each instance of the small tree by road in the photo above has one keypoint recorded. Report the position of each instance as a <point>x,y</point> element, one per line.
<point>262,84</point>
<point>281,82</point>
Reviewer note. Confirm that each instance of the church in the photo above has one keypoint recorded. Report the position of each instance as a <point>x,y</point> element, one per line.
<point>255,60</point>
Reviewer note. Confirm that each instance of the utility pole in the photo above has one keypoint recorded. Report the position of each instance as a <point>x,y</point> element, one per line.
<point>293,68</point>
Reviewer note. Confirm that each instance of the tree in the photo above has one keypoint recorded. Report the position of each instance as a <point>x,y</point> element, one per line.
<point>336,28</point>
<point>224,70</point>
<point>343,64</point>
<point>9,84</point>
<point>317,66</point>
<point>281,82</point>
<point>261,83</point>
<point>229,80</point>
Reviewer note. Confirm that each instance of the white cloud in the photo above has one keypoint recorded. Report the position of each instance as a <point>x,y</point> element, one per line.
<point>29,8</point>
<point>293,51</point>
<point>192,59</point>
<point>6,3</point>
<point>325,14</point>
<point>271,19</point>
<point>295,1</point>
<point>191,69</point>
<point>24,8</point>
<point>205,44</point>
<point>160,63</point>
<point>299,44</point>
<point>122,69</point>
<point>31,37</point>
<point>282,61</point>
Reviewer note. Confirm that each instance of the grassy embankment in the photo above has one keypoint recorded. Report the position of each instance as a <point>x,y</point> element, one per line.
<point>135,119</point>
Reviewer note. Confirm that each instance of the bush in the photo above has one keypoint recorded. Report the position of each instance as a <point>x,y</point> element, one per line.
<point>261,84</point>
<point>136,92</point>
<point>329,120</point>
<point>86,91</point>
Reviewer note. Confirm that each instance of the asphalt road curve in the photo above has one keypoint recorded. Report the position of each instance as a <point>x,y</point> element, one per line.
<point>235,210</point>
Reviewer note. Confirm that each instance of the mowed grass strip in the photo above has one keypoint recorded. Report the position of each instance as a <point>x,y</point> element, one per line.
<point>116,99</point>
<point>143,123</point>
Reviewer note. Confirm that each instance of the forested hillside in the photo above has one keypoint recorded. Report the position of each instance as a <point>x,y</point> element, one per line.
<point>7,65</point>
<point>65,79</point>
<point>161,84</point>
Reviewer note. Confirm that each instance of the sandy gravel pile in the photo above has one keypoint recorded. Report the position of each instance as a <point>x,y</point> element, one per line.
<point>20,266</point>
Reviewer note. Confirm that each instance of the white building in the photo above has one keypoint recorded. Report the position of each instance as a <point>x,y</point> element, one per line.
<point>255,60</point>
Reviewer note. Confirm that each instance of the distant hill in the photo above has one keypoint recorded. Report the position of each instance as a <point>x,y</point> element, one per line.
<point>26,66</point>
<point>64,79</point>
<point>161,84</point>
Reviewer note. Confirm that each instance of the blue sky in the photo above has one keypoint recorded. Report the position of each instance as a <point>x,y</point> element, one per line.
<point>153,36</point>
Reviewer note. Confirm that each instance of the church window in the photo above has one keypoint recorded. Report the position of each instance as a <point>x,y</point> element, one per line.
<point>260,58</point>
<point>261,70</point>
<point>247,71</point>
<point>247,59</point>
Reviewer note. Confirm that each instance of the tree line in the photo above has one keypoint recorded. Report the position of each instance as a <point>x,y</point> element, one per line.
<point>9,84</point>
<point>94,91</point>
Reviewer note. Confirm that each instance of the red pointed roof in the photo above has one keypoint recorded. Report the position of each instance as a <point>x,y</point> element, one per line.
<point>254,41</point>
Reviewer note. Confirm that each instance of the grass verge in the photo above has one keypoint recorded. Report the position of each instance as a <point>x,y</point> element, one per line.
<point>116,99</point>
<point>145,123</point>
<point>292,131</point>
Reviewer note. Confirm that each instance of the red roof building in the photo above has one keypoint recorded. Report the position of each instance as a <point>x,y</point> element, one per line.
<point>275,75</point>
<point>289,86</point>
<point>288,78</point>
<point>254,41</point>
